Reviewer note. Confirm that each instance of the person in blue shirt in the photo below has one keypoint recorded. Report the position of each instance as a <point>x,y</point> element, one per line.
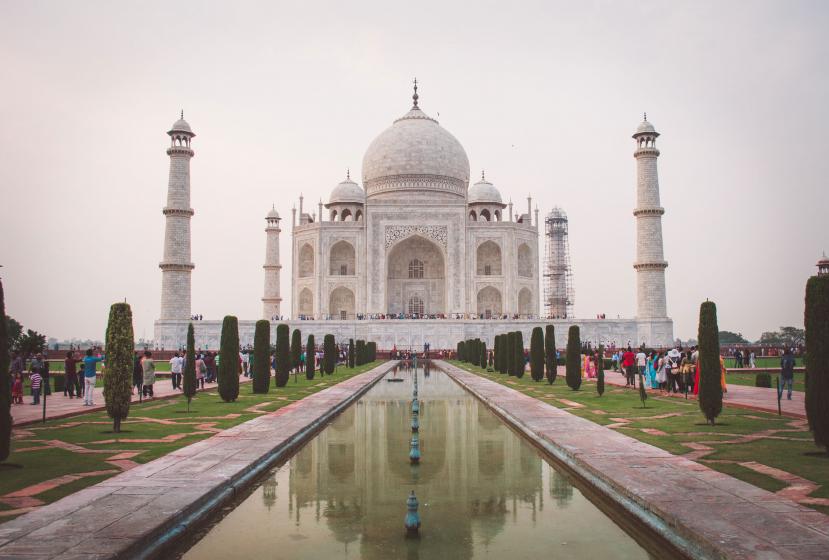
<point>90,364</point>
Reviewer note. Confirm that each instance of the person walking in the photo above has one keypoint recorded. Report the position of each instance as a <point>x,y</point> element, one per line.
<point>90,364</point>
<point>176,367</point>
<point>787,371</point>
<point>201,369</point>
<point>641,365</point>
<point>70,375</point>
<point>628,366</point>
<point>148,369</point>
<point>137,374</point>
<point>36,381</point>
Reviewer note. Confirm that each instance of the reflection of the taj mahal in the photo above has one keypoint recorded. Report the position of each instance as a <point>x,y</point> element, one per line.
<point>483,491</point>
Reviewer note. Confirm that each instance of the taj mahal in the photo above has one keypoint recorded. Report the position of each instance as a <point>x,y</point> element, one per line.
<point>415,255</point>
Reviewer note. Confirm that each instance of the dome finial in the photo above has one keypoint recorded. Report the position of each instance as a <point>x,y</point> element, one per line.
<point>348,173</point>
<point>646,115</point>
<point>182,114</point>
<point>483,176</point>
<point>415,96</point>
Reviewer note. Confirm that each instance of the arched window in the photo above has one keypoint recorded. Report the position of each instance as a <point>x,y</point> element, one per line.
<point>342,259</point>
<point>346,215</point>
<point>415,305</point>
<point>306,261</point>
<point>358,216</point>
<point>416,269</point>
<point>333,215</point>
<point>472,216</point>
<point>485,217</point>
<point>525,267</point>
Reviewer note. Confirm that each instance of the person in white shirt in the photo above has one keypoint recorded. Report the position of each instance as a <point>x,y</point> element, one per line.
<point>245,362</point>
<point>176,367</point>
<point>641,362</point>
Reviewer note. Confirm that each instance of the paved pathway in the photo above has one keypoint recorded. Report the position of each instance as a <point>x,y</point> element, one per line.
<point>58,406</point>
<point>150,504</point>
<point>703,512</point>
<point>744,396</point>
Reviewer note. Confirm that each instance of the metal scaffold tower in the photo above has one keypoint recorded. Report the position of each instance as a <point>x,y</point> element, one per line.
<point>558,273</point>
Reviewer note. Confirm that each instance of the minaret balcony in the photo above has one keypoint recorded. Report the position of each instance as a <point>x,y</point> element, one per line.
<point>649,211</point>
<point>167,211</point>
<point>650,266</point>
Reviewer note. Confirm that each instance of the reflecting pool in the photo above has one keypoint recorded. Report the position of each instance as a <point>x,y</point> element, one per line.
<point>484,492</point>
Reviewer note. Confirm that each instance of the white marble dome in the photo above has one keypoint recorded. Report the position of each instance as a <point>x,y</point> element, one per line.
<point>273,214</point>
<point>415,154</point>
<point>645,128</point>
<point>347,192</point>
<point>483,192</point>
<point>181,125</point>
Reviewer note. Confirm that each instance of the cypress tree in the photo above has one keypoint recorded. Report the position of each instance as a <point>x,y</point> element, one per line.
<point>817,365</point>
<point>310,357</point>
<point>537,354</point>
<point>351,353</point>
<point>329,354</point>
<point>229,359</point>
<point>710,389</point>
<point>483,355</point>
<point>510,353</point>
<point>458,351</point>
<point>283,355</point>
<point>5,382</point>
<point>296,349</point>
<point>359,352</point>
<point>550,361</point>
<point>189,378</point>
<point>573,364</point>
<point>475,355</point>
<point>503,361</point>
<point>496,349</point>
<point>372,351</point>
<point>261,355</point>
<point>600,372</point>
<point>462,351</point>
<point>518,361</point>
<point>119,353</point>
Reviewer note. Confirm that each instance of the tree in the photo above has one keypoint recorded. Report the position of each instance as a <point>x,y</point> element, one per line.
<point>792,336</point>
<point>462,351</point>
<point>5,384</point>
<point>518,358</point>
<point>728,337</point>
<point>329,354</point>
<point>310,347</point>
<point>600,372</point>
<point>537,354</point>
<point>229,359</point>
<point>31,343</point>
<point>510,353</point>
<point>482,361</point>
<point>550,361</point>
<point>573,364</point>
<point>710,389</point>
<point>496,351</point>
<point>474,352</point>
<point>817,364</point>
<point>283,355</point>
<point>189,378</point>
<point>119,354</point>
<point>771,339</point>
<point>371,347</point>
<point>351,353</point>
<point>261,357</point>
<point>296,349</point>
<point>13,332</point>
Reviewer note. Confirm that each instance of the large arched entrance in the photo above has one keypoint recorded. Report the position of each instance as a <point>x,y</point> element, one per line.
<point>341,304</point>
<point>416,277</point>
<point>489,302</point>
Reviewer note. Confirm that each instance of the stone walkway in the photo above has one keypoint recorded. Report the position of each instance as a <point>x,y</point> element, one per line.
<point>150,504</point>
<point>705,513</point>
<point>743,396</point>
<point>58,406</point>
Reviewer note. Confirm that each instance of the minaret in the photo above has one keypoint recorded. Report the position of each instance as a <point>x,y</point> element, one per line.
<point>176,267</point>
<point>271,300</point>
<point>650,262</point>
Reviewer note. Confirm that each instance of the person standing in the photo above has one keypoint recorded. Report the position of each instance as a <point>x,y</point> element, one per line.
<point>641,365</point>
<point>70,375</point>
<point>137,373</point>
<point>787,371</point>
<point>201,368</point>
<point>628,365</point>
<point>148,369</point>
<point>245,356</point>
<point>176,363</point>
<point>751,362</point>
<point>36,381</point>
<point>90,364</point>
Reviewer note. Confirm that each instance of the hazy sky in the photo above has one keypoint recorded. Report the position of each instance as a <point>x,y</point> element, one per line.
<point>285,96</point>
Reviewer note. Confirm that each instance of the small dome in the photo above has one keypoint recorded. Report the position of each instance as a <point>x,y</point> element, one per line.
<point>273,214</point>
<point>645,126</point>
<point>181,125</point>
<point>483,192</point>
<point>347,192</point>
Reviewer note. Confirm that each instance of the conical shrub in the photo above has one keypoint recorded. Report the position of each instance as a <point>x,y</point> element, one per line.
<point>283,355</point>
<point>537,354</point>
<point>261,357</point>
<point>550,362</point>
<point>229,360</point>
<point>573,365</point>
<point>710,387</point>
<point>189,378</point>
<point>817,358</point>
<point>120,345</point>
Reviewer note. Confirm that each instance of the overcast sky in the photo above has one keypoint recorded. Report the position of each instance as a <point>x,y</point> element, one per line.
<point>285,96</point>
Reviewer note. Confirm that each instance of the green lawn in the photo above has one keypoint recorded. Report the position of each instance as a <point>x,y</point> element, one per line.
<point>793,450</point>
<point>767,362</point>
<point>750,378</point>
<point>33,460</point>
<point>56,366</point>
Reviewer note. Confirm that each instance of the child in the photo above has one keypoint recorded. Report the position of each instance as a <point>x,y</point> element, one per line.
<point>36,380</point>
<point>17,389</point>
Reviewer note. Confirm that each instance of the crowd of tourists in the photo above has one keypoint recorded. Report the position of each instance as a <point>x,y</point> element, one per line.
<point>80,374</point>
<point>419,316</point>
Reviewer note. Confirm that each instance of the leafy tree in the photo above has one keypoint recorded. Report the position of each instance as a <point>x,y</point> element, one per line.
<point>482,361</point>
<point>518,358</point>
<point>13,332</point>
<point>296,349</point>
<point>600,372</point>
<point>5,381</point>
<point>283,355</point>
<point>189,378</point>
<point>462,351</point>
<point>550,361</point>
<point>728,337</point>
<point>229,359</point>
<point>510,354</point>
<point>351,353</point>
<point>329,354</point>
<point>261,357</point>
<point>310,348</point>
<point>31,343</point>
<point>119,354</point>
<point>573,363</point>
<point>792,336</point>
<point>771,338</point>
<point>710,389</point>
<point>537,354</point>
<point>817,366</point>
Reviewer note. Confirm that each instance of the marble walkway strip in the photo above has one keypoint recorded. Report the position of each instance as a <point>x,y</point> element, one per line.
<point>138,513</point>
<point>705,513</point>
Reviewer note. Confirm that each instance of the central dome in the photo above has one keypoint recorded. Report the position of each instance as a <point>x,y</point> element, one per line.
<point>417,155</point>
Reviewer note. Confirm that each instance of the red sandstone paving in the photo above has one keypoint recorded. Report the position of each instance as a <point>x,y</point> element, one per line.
<point>725,515</point>
<point>108,518</point>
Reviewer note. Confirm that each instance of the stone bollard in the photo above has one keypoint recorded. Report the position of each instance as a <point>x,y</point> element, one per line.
<point>412,517</point>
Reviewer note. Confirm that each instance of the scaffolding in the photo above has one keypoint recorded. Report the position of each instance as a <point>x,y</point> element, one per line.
<point>558,273</point>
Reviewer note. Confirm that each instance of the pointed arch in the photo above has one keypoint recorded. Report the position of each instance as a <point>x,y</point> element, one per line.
<point>342,260</point>
<point>488,259</point>
<point>525,264</point>
<point>306,261</point>
<point>306,303</point>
